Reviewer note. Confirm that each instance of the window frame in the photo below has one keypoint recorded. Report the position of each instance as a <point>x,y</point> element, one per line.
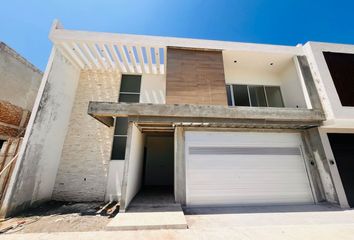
<point>231,87</point>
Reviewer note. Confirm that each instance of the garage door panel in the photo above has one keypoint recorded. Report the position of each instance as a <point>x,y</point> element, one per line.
<point>243,162</point>
<point>235,176</point>
<point>253,200</point>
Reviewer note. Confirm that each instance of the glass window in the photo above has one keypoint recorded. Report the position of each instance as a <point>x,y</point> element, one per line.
<point>229,98</point>
<point>130,83</point>
<point>129,98</point>
<point>274,97</point>
<point>118,149</point>
<point>257,96</point>
<point>121,127</point>
<point>241,95</point>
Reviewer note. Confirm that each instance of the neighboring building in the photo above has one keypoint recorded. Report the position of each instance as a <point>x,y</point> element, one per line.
<point>332,66</point>
<point>19,84</point>
<point>220,123</point>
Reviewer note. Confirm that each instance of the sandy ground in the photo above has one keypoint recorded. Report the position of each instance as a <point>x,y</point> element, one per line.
<point>264,223</point>
<point>60,217</point>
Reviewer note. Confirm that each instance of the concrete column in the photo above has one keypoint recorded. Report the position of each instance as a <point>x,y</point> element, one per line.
<point>180,166</point>
<point>318,166</point>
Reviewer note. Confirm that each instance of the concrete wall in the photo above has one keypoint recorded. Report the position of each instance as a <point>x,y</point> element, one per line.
<point>153,88</point>
<point>40,152</point>
<point>114,180</point>
<point>332,106</point>
<point>133,169</point>
<point>19,79</point>
<point>292,92</point>
<point>321,164</point>
<point>83,170</point>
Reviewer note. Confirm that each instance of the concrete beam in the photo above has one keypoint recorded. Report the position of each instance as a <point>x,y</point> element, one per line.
<point>216,115</point>
<point>180,167</point>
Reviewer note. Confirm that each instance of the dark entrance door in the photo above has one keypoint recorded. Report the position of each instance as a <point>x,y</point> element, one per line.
<point>342,145</point>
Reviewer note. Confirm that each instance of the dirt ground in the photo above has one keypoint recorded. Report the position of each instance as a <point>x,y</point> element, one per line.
<point>61,217</point>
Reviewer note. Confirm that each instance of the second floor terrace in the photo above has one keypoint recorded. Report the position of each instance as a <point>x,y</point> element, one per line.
<point>161,70</point>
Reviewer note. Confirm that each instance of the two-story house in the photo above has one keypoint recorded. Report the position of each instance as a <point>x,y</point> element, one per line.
<point>211,123</point>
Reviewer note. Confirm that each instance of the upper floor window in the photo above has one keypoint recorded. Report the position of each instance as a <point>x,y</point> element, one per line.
<point>254,96</point>
<point>130,88</point>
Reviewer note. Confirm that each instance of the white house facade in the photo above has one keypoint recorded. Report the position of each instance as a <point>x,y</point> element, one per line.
<point>212,123</point>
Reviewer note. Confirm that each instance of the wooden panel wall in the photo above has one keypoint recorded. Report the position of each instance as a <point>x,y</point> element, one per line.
<point>195,77</point>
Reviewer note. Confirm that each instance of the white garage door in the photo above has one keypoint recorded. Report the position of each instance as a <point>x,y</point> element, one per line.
<point>245,168</point>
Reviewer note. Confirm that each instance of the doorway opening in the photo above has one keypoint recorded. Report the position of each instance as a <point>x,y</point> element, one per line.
<point>157,186</point>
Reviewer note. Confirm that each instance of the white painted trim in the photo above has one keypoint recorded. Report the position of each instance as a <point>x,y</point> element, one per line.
<point>58,35</point>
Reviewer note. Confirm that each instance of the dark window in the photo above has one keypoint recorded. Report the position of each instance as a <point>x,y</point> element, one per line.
<point>129,98</point>
<point>118,149</point>
<point>121,126</point>
<point>257,96</point>
<point>241,95</point>
<point>341,67</point>
<point>1,143</point>
<point>130,83</point>
<point>129,93</point>
<point>274,97</point>
<point>229,97</point>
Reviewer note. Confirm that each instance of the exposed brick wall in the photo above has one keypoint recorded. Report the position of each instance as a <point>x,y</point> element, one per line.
<point>82,174</point>
<point>195,77</point>
<point>13,120</point>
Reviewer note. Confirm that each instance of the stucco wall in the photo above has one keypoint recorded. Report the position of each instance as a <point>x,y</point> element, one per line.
<point>153,88</point>
<point>251,77</point>
<point>133,170</point>
<point>40,152</point>
<point>83,170</point>
<point>19,79</point>
<point>292,92</point>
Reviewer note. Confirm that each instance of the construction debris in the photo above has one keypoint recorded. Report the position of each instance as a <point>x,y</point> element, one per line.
<point>62,217</point>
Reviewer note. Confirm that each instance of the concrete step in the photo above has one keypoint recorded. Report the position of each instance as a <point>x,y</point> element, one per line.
<point>146,217</point>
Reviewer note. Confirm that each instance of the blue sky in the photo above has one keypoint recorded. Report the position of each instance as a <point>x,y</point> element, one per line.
<point>24,25</point>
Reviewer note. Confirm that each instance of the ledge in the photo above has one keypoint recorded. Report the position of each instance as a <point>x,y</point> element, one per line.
<point>204,114</point>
